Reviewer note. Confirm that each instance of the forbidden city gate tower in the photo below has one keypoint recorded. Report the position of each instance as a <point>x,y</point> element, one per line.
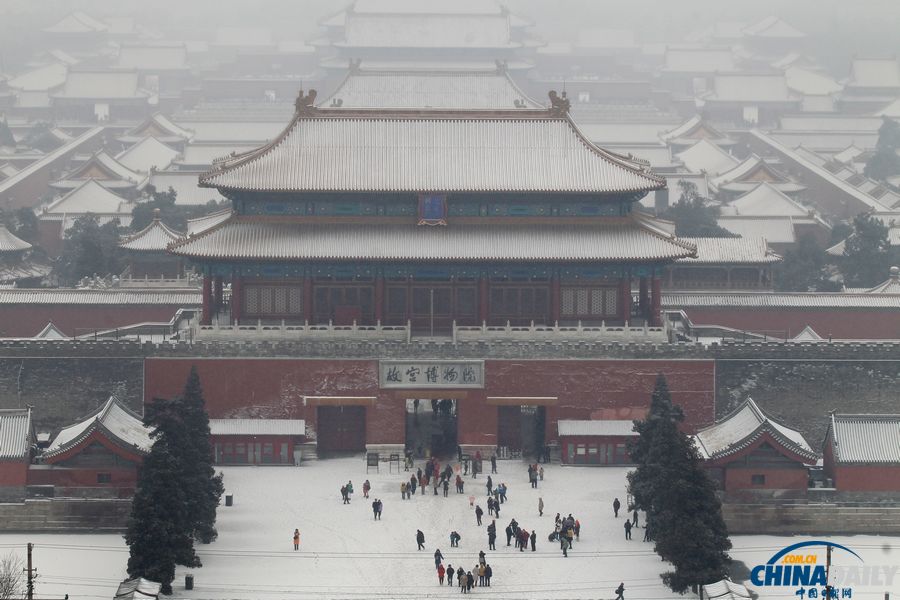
<point>433,218</point>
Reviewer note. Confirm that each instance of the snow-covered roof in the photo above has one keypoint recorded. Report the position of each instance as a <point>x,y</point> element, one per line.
<point>808,334</point>
<point>243,36</point>
<point>865,439</point>
<point>158,126</point>
<point>745,426</point>
<point>773,28</point>
<point>11,243</point>
<point>257,427</point>
<point>891,110</point>
<point>16,434</point>
<point>50,332</point>
<point>890,286</point>
<point>101,85</point>
<point>706,157</point>
<point>104,169</point>
<point>695,128</point>
<point>89,197</point>
<point>725,590</point>
<point>114,420</point>
<point>610,39</point>
<point>722,251</point>
<point>765,200</point>
<point>41,79</point>
<point>776,230</point>
<point>147,155</point>
<point>596,427</point>
<point>188,193</point>
<point>379,89</point>
<point>201,224</point>
<point>205,155</point>
<point>155,237</point>
<point>77,22</point>
<point>110,296</point>
<point>752,169</point>
<point>875,73</point>
<point>155,57</point>
<point>137,589</point>
<point>809,82</point>
<point>699,60</point>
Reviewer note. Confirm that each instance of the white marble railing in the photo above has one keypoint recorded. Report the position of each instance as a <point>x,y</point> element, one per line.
<point>579,332</point>
<point>284,331</point>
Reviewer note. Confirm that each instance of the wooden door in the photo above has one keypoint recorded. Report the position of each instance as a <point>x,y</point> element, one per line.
<point>341,428</point>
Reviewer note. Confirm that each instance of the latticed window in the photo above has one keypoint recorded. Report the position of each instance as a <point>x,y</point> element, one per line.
<point>588,302</point>
<point>273,300</point>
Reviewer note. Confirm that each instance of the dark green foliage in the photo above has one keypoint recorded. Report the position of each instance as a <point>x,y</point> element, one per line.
<point>885,162</point>
<point>693,215</point>
<point>206,487</point>
<point>158,534</point>
<point>40,138</point>
<point>803,269</point>
<point>867,255</point>
<point>174,216</point>
<point>22,222</point>
<point>91,249</point>
<point>6,136</point>
<point>672,487</point>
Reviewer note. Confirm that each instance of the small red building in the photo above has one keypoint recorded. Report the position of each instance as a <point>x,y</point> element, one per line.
<point>103,450</point>
<point>862,452</point>
<point>595,442</point>
<point>147,256</point>
<point>256,441</point>
<point>747,452</point>
<point>16,441</point>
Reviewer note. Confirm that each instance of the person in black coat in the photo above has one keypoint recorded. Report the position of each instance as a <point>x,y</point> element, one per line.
<point>509,534</point>
<point>489,485</point>
<point>460,573</point>
<point>620,592</point>
<point>478,513</point>
<point>627,529</point>
<point>438,557</point>
<point>635,518</point>
<point>493,463</point>
<point>492,535</point>
<point>616,506</point>
<point>488,573</point>
<point>420,539</point>
<point>450,573</point>
<point>533,540</point>
<point>481,560</point>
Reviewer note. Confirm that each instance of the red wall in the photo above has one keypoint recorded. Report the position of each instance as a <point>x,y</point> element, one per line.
<point>738,478</point>
<point>13,473</point>
<point>22,320</point>
<point>838,323</point>
<point>867,478</point>
<point>274,388</point>
<point>125,479</point>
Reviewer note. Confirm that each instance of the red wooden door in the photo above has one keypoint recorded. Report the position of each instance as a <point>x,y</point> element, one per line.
<point>509,427</point>
<point>341,428</point>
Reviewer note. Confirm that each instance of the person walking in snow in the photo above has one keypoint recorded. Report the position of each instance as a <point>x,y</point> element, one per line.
<point>345,495</point>
<point>541,473</point>
<point>489,485</point>
<point>533,540</point>
<point>481,574</point>
<point>635,518</point>
<point>402,490</point>
<point>470,581</point>
<point>412,485</point>
<point>379,508</point>
<point>509,534</point>
<point>564,545</point>
<point>440,571</point>
<point>446,487</point>
<point>502,488</point>
<point>438,558</point>
<point>481,559</point>
<point>450,574</point>
<point>492,535</point>
<point>627,529</point>
<point>620,592</point>
<point>540,507</point>
<point>366,487</point>
<point>420,539</point>
<point>647,536</point>
<point>454,539</point>
<point>490,504</point>
<point>296,539</point>
<point>488,573</point>
<point>493,463</point>
<point>478,513</point>
<point>460,576</point>
<point>616,506</point>
<point>558,520</point>
<point>349,488</point>
<point>459,484</point>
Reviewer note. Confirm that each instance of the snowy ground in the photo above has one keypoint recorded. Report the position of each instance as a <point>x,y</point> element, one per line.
<point>346,554</point>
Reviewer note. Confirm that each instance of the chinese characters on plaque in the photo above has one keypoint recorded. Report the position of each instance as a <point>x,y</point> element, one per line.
<point>431,374</point>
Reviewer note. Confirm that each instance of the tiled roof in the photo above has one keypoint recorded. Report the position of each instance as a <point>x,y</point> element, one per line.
<point>106,297</point>
<point>137,589</point>
<point>279,239</point>
<point>201,224</point>
<point>770,300</point>
<point>257,427</point>
<point>891,110</point>
<point>890,286</point>
<point>26,269</point>
<point>155,57</point>
<point>114,420</point>
<point>806,81</point>
<point>866,438</point>
<point>743,427</point>
<point>744,251</point>
<point>830,123</point>
<point>875,73</point>
<point>692,126</point>
<point>89,197</point>
<point>205,154</point>
<point>188,193</point>
<point>50,332</point>
<point>10,243</point>
<point>808,334</point>
<point>155,237</point>
<point>158,126</point>
<point>765,200</point>
<point>243,36</point>
<point>147,155</point>
<point>382,89</point>
<point>41,79</point>
<point>704,156</point>
<point>748,167</point>
<point>725,590</point>
<point>748,89</point>
<point>47,159</point>
<point>15,433</point>
<point>596,427</point>
<point>101,85</point>
<point>520,150</point>
<point>104,169</point>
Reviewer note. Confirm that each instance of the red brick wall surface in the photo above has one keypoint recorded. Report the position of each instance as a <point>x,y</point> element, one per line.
<point>13,473</point>
<point>21,320</point>
<point>274,388</point>
<point>739,478</point>
<point>867,478</point>
<point>838,323</point>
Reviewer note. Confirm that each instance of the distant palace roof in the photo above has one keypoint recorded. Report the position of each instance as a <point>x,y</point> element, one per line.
<point>11,243</point>
<point>266,238</point>
<point>744,427</point>
<point>390,89</point>
<point>518,150</point>
<point>723,251</point>
<point>104,169</point>
<point>114,421</point>
<point>155,237</point>
<point>865,439</point>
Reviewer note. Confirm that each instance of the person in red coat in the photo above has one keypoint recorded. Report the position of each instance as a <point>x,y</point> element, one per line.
<point>441,572</point>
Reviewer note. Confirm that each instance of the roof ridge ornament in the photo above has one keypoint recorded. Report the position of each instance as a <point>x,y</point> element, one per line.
<point>305,103</point>
<point>559,104</point>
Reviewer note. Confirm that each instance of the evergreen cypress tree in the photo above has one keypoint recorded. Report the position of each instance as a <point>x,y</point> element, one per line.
<point>671,486</point>
<point>158,534</point>
<point>205,485</point>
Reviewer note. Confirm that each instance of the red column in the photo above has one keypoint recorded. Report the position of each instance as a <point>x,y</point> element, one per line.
<point>656,303</point>
<point>307,300</point>
<point>236,297</point>
<point>625,299</point>
<point>482,300</point>
<point>206,316</point>
<point>554,300</point>
<point>379,299</point>
<point>644,301</point>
